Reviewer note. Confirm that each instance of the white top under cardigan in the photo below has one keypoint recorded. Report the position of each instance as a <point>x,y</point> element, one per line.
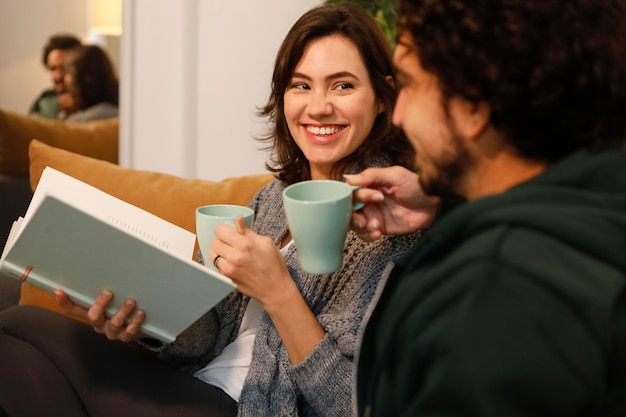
<point>228,370</point>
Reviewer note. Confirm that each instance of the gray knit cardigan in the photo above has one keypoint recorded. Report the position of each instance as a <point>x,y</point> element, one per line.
<point>321,385</point>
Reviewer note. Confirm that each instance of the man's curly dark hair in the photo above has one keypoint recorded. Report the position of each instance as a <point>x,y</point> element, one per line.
<point>553,71</point>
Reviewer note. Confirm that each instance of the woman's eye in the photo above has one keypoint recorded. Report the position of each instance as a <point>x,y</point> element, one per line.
<point>300,86</point>
<point>344,86</point>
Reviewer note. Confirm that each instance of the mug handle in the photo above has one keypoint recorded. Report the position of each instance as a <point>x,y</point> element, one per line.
<point>358,205</point>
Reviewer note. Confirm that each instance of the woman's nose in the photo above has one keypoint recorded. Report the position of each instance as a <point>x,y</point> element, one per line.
<point>319,105</point>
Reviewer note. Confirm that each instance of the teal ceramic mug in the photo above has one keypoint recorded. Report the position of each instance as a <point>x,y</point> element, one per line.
<point>207,219</point>
<point>318,214</point>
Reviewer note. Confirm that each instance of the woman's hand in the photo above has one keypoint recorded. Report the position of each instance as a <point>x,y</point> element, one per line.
<point>252,261</point>
<point>394,203</point>
<point>258,268</point>
<point>113,328</point>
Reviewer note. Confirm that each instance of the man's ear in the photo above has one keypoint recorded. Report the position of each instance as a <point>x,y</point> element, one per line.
<point>470,118</point>
<point>392,83</point>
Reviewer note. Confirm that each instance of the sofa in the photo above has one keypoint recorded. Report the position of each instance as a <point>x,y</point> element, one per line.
<point>167,196</point>
<point>98,139</point>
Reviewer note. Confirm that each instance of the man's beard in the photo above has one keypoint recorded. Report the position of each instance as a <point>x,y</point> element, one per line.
<point>449,170</point>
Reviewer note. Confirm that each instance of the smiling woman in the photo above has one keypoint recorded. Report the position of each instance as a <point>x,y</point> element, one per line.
<point>330,106</point>
<point>91,81</point>
<point>367,75</point>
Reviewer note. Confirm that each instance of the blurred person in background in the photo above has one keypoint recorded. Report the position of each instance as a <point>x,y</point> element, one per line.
<point>91,82</point>
<point>55,103</point>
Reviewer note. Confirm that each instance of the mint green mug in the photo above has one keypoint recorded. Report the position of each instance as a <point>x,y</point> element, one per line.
<point>318,214</point>
<point>207,219</point>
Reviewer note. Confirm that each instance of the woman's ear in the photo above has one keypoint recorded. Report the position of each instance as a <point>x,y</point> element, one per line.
<point>391,81</point>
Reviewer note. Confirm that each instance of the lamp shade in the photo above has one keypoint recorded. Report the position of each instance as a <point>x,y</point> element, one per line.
<point>106,17</point>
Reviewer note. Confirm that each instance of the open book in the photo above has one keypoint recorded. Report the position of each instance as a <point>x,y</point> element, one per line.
<point>82,240</point>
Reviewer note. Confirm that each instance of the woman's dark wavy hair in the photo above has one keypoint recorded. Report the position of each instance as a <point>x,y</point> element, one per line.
<point>95,80</point>
<point>352,22</point>
<point>553,71</point>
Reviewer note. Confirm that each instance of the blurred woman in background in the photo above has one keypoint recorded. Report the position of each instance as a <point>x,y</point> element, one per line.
<point>91,80</point>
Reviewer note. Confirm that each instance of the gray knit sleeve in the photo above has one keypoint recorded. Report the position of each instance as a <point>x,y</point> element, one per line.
<point>325,377</point>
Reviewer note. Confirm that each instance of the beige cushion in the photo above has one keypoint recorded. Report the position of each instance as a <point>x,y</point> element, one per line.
<point>169,197</point>
<point>98,139</point>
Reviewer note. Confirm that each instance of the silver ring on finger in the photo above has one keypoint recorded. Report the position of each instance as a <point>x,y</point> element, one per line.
<point>216,260</point>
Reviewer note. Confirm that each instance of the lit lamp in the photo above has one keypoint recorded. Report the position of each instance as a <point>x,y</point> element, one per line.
<point>106,17</point>
<point>105,26</point>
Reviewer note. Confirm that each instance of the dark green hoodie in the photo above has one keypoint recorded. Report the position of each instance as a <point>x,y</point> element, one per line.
<point>512,305</point>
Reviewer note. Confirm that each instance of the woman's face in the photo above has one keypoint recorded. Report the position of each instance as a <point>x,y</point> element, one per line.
<point>330,103</point>
<point>68,81</point>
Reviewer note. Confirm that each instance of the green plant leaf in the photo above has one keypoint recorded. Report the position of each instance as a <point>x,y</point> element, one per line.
<point>383,11</point>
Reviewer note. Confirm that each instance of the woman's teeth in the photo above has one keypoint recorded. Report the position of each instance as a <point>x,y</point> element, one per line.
<point>323,131</point>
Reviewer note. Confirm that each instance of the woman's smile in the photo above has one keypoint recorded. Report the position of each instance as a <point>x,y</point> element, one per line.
<point>323,134</point>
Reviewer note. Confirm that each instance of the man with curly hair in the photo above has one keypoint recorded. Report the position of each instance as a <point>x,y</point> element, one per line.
<point>56,102</point>
<point>514,302</point>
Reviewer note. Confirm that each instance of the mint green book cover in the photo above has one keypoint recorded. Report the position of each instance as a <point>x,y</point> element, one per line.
<point>62,246</point>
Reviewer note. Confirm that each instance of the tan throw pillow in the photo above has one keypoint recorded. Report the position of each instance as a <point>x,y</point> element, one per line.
<point>98,139</point>
<point>169,197</point>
